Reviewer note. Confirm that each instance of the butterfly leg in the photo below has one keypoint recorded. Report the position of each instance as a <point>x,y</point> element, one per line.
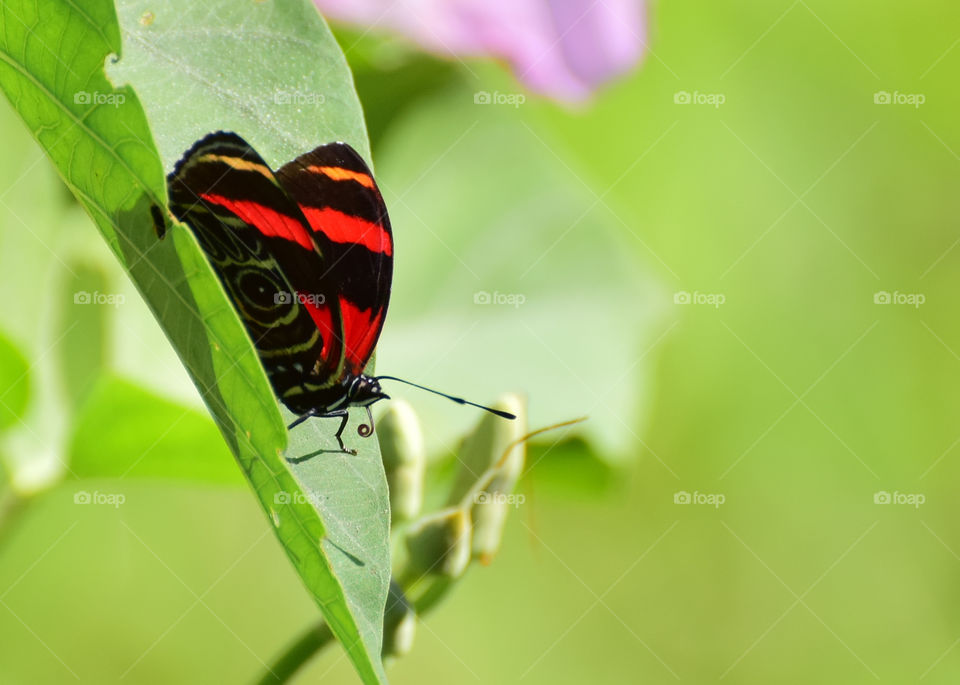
<point>344,416</point>
<point>343,424</point>
<point>302,418</point>
<point>341,414</point>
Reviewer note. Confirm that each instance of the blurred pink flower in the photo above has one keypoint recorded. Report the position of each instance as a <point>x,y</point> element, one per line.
<point>561,48</point>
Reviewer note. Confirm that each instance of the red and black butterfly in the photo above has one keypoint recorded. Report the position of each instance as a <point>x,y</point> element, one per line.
<point>306,256</point>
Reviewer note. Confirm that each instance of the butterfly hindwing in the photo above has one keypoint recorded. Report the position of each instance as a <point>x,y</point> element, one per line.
<point>263,251</point>
<point>336,192</point>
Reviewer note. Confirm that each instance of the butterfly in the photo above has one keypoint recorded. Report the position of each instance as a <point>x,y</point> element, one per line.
<point>305,254</point>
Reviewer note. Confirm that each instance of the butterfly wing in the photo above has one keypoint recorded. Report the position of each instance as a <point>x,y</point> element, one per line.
<point>339,198</point>
<point>261,248</point>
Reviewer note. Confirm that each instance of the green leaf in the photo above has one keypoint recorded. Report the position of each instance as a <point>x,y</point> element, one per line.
<point>85,322</point>
<point>14,383</point>
<point>198,68</point>
<point>124,431</point>
<point>273,74</point>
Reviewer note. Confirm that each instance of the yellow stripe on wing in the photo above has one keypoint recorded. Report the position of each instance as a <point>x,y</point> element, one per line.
<point>238,163</point>
<point>338,173</point>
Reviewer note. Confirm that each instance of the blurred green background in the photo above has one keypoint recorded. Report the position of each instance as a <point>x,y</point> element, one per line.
<point>795,401</point>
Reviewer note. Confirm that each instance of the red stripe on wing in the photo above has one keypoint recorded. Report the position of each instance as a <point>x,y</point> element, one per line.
<point>268,221</point>
<point>344,228</point>
<point>361,330</point>
<point>323,318</point>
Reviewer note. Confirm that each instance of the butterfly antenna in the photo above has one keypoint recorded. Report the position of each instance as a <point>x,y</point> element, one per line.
<point>458,400</point>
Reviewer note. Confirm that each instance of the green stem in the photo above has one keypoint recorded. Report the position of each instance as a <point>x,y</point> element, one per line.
<point>12,507</point>
<point>314,639</point>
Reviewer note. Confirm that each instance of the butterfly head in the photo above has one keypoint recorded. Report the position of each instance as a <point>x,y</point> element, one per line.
<point>364,391</point>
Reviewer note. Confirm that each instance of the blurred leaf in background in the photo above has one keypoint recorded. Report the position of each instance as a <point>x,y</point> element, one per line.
<point>513,273</point>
